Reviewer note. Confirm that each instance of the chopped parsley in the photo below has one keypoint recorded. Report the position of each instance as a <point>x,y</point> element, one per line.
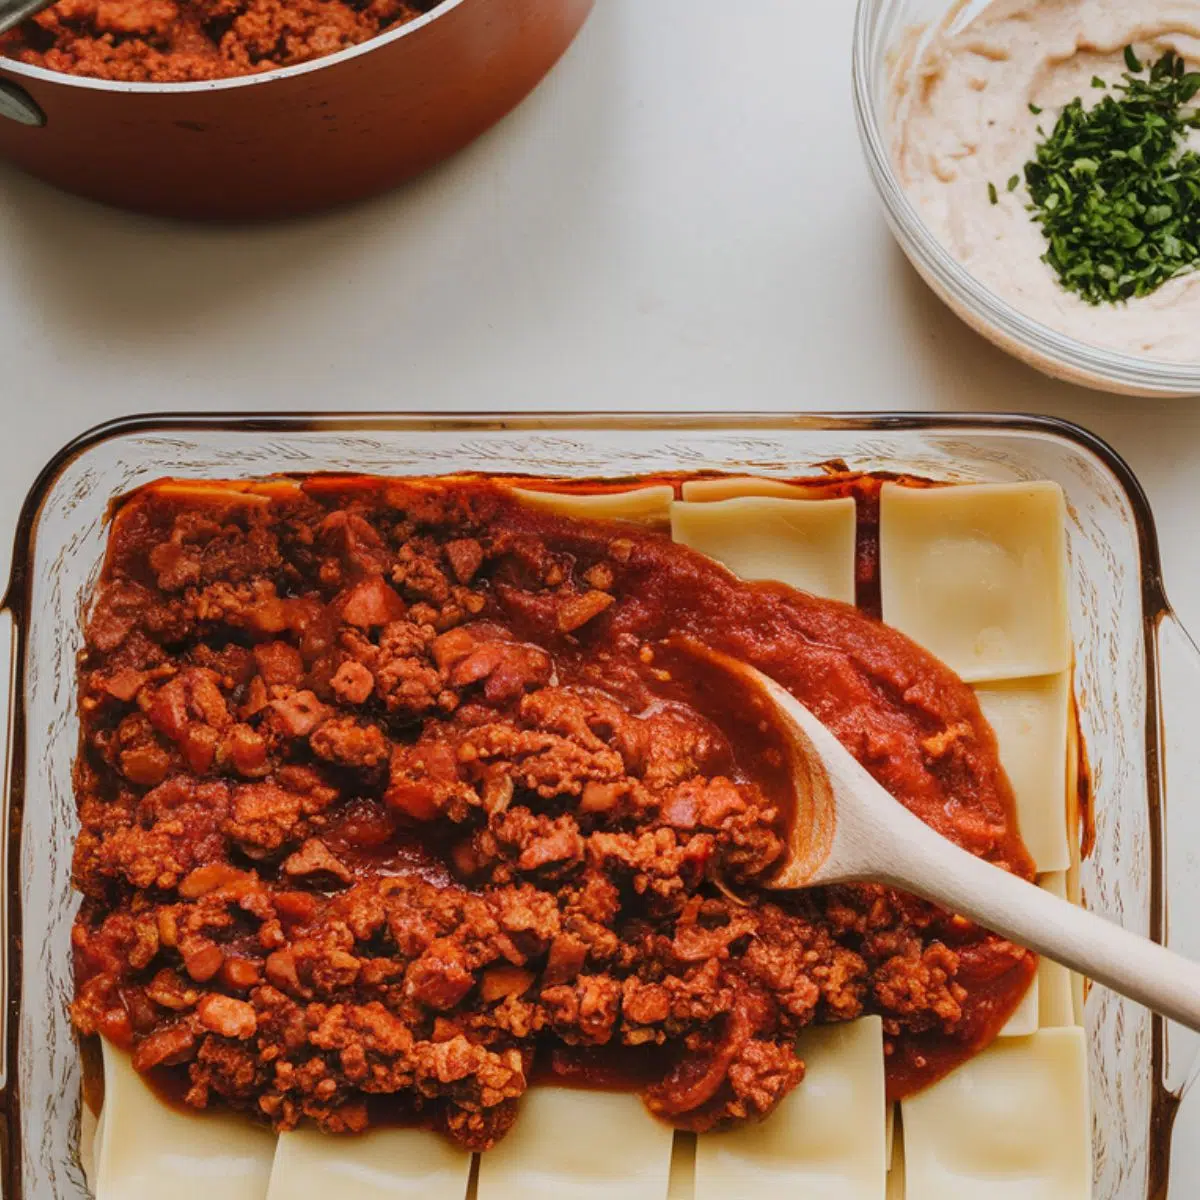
<point>992,196</point>
<point>1115,188</point>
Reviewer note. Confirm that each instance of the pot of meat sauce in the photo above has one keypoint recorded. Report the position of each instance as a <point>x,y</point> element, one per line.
<point>250,109</point>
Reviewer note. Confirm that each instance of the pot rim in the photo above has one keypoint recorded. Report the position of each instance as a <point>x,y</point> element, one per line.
<point>12,67</point>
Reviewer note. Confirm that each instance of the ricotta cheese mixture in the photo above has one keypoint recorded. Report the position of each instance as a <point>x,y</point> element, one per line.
<point>962,115</point>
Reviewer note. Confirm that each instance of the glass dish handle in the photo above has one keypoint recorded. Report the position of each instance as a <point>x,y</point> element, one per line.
<point>1179,773</point>
<point>9,631</point>
<point>1179,766</point>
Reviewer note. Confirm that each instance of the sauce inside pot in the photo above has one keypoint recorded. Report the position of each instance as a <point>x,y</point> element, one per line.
<point>183,41</point>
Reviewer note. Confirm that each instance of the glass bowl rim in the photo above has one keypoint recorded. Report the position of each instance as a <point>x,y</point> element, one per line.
<point>1121,371</point>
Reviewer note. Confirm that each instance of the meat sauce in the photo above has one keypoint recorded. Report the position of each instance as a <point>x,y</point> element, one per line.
<point>147,41</point>
<point>397,795</point>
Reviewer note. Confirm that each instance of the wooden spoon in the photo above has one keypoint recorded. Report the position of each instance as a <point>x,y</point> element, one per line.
<point>847,828</point>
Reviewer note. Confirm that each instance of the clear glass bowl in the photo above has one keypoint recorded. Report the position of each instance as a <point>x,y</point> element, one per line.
<point>879,26</point>
<point>1136,678</point>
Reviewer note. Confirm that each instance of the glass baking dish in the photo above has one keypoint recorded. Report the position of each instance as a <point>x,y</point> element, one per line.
<point>1136,672</point>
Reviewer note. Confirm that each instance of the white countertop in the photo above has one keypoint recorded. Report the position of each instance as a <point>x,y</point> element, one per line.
<point>679,218</point>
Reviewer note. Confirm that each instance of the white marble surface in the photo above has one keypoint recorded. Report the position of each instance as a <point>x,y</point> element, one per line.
<point>679,218</point>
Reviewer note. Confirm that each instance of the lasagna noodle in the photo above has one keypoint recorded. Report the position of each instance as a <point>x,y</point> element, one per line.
<point>90,1132</point>
<point>1056,1000</point>
<point>1025,1017</point>
<point>649,505</point>
<point>731,487</point>
<point>977,574</point>
<point>383,1164</point>
<point>147,1150</point>
<point>1030,717</point>
<point>827,1140</point>
<point>808,544</point>
<point>573,1144</point>
<point>1011,1124</point>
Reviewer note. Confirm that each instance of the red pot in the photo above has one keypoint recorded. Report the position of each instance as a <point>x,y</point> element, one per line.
<point>292,140</point>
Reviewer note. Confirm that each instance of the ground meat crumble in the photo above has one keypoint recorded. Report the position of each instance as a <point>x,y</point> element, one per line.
<point>390,805</point>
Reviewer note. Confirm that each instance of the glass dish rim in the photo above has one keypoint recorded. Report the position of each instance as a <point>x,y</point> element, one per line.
<point>16,600</point>
<point>13,593</point>
<point>1122,371</point>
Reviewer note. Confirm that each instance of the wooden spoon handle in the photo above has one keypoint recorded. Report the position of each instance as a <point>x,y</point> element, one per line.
<point>875,838</point>
<point>956,880</point>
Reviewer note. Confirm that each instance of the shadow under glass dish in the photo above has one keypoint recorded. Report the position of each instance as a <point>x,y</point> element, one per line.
<point>1135,674</point>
